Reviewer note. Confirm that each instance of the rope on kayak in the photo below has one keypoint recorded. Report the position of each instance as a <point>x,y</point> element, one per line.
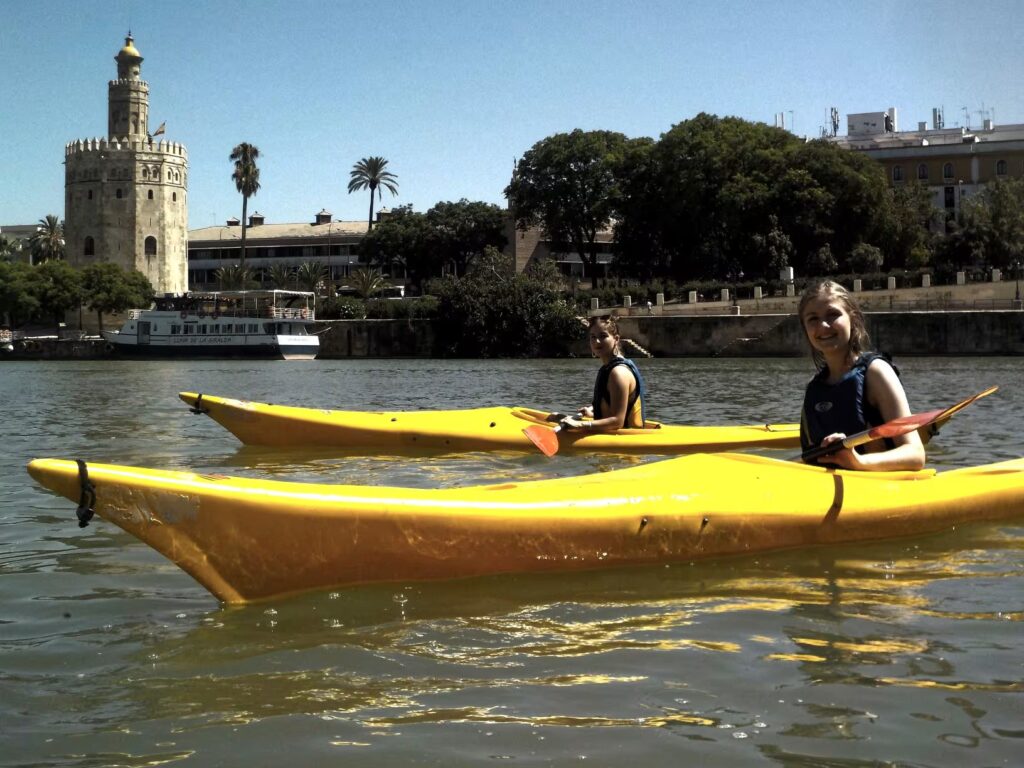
<point>87,500</point>
<point>198,409</point>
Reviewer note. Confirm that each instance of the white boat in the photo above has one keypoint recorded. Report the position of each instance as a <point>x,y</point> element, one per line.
<point>266,324</point>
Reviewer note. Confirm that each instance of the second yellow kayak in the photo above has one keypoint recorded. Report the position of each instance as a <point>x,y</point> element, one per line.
<point>472,429</point>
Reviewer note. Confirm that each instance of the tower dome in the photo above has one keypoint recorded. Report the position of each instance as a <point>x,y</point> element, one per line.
<point>128,60</point>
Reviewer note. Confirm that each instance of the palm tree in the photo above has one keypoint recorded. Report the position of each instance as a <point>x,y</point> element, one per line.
<point>48,241</point>
<point>247,181</point>
<point>280,275</point>
<point>368,282</point>
<point>234,277</point>
<point>369,173</point>
<point>311,276</point>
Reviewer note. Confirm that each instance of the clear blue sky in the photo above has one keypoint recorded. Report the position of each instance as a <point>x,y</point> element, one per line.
<point>450,92</point>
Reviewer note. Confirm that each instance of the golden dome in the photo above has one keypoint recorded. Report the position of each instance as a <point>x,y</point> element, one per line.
<point>129,50</point>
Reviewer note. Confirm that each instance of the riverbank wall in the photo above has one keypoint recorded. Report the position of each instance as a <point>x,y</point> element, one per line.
<point>993,332</point>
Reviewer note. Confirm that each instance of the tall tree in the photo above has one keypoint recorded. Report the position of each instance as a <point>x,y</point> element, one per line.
<point>247,181</point>
<point>48,241</point>
<point>569,184</point>
<point>369,173</point>
<point>462,230</point>
<point>59,289</point>
<point>108,288</point>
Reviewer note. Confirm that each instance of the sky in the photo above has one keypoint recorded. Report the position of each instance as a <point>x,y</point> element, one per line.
<point>451,92</point>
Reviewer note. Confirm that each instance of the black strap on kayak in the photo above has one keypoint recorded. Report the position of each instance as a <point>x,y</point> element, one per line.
<point>198,409</point>
<point>87,500</point>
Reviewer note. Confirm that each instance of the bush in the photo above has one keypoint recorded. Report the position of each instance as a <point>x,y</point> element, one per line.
<point>341,308</point>
<point>402,309</point>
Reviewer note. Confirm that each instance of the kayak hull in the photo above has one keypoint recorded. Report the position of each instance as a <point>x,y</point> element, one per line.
<point>246,540</point>
<point>472,429</point>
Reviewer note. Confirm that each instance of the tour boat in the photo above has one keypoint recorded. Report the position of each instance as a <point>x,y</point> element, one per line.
<point>270,324</point>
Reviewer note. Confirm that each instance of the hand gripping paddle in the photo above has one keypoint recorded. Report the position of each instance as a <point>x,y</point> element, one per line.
<point>894,428</point>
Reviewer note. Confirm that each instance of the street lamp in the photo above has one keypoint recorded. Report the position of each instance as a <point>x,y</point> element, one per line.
<point>1016,274</point>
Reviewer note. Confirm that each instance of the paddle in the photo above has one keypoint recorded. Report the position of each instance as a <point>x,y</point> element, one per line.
<point>546,438</point>
<point>894,428</point>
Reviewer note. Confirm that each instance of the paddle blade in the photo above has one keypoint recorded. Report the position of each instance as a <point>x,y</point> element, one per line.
<point>544,438</point>
<point>901,426</point>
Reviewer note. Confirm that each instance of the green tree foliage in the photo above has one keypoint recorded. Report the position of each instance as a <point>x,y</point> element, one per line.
<point>718,196</point>
<point>462,231</point>
<point>571,185</point>
<point>108,288</point>
<point>281,276</point>
<point>58,288</point>
<point>997,217</point>
<point>234,277</point>
<point>909,237</point>
<point>48,241</point>
<point>371,173</point>
<point>368,282</point>
<point>18,296</point>
<point>865,259</point>
<point>402,241</point>
<point>312,276</point>
<point>493,312</point>
<point>246,176</point>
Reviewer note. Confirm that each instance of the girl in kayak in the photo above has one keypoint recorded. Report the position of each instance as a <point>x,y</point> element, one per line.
<point>619,390</point>
<point>854,389</point>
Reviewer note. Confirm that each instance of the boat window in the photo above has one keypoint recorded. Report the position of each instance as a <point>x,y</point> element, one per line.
<point>254,328</point>
<point>202,329</point>
<point>175,328</point>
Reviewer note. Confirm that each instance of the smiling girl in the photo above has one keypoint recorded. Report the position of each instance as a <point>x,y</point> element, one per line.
<point>854,389</point>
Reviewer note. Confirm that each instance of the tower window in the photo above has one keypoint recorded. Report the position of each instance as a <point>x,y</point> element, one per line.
<point>119,194</point>
<point>145,173</point>
<point>150,194</point>
<point>151,246</point>
<point>174,197</point>
<point>90,194</point>
<point>90,247</point>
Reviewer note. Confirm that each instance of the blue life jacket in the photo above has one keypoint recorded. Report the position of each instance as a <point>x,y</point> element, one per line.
<point>635,406</point>
<point>840,407</point>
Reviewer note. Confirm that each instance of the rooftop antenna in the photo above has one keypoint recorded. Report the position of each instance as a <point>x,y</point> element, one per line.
<point>967,118</point>
<point>834,115</point>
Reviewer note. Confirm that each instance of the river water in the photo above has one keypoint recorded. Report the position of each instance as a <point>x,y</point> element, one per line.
<point>905,653</point>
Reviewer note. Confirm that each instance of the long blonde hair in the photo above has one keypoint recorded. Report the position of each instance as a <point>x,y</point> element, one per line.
<point>860,341</point>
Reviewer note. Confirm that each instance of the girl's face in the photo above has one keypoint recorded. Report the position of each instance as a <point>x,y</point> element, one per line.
<point>827,325</point>
<point>602,341</point>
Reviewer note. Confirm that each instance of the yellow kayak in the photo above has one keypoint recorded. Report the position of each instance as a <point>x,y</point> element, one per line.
<point>246,540</point>
<point>472,429</point>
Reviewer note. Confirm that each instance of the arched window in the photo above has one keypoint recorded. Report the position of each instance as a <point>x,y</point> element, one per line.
<point>90,247</point>
<point>90,194</point>
<point>118,194</point>
<point>151,246</point>
<point>922,172</point>
<point>897,173</point>
<point>145,172</point>
<point>150,194</point>
<point>947,171</point>
<point>174,197</point>
<point>1000,167</point>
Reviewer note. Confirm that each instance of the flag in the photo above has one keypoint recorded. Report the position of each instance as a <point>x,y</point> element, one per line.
<point>160,130</point>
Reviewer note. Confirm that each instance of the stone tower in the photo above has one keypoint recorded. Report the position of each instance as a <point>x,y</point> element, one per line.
<point>125,196</point>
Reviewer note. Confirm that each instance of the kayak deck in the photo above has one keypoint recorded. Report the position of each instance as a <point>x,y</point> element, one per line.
<point>472,429</point>
<point>246,539</point>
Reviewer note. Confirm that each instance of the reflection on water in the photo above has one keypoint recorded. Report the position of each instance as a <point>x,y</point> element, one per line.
<point>896,653</point>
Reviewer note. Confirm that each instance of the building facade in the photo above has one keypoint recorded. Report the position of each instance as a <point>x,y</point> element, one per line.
<point>334,244</point>
<point>952,163</point>
<point>125,195</point>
